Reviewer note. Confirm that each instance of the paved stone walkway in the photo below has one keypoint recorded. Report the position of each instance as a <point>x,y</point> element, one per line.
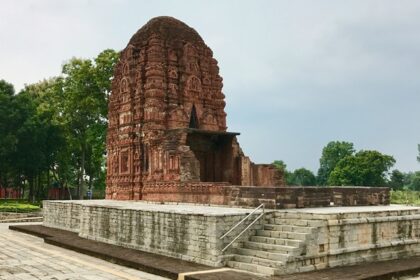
<point>27,257</point>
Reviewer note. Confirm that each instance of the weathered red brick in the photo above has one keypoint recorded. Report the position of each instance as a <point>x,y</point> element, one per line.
<point>167,138</point>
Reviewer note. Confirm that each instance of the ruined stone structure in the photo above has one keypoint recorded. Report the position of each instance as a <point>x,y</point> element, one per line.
<point>167,138</point>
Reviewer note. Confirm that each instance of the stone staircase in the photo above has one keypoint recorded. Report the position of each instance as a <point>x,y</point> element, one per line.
<point>281,240</point>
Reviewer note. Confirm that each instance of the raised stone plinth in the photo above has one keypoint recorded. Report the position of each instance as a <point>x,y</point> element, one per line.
<point>284,241</point>
<point>185,231</point>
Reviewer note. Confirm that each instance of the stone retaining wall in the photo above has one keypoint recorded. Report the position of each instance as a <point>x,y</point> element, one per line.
<point>192,237</point>
<point>306,197</point>
<point>272,197</point>
<point>352,238</point>
<point>64,216</point>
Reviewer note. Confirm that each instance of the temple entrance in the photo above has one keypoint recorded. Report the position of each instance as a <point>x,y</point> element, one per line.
<point>193,118</point>
<point>214,152</point>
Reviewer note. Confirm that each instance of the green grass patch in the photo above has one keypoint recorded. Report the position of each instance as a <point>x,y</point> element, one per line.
<point>18,206</point>
<point>405,197</point>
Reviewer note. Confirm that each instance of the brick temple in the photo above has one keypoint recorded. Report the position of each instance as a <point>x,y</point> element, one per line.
<point>167,136</point>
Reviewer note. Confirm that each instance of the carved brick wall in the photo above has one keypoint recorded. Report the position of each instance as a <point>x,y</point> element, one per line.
<point>166,91</point>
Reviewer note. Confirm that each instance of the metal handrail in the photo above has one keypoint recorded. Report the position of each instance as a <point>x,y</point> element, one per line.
<point>240,222</point>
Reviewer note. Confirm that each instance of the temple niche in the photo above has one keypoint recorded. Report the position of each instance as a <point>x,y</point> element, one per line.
<point>167,136</point>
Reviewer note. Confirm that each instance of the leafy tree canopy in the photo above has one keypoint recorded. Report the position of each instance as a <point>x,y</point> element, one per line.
<point>396,180</point>
<point>6,88</point>
<point>415,181</point>
<point>365,168</point>
<point>53,132</point>
<point>331,155</point>
<point>418,157</point>
<point>302,177</point>
<point>280,165</point>
<point>412,181</point>
<point>299,177</point>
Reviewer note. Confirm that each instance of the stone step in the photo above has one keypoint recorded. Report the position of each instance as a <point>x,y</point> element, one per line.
<point>277,241</point>
<point>282,234</point>
<point>290,228</point>
<point>272,248</point>
<point>295,222</point>
<point>263,254</point>
<point>258,261</point>
<point>252,268</point>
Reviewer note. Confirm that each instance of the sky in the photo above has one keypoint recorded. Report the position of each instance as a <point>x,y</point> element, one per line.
<point>297,74</point>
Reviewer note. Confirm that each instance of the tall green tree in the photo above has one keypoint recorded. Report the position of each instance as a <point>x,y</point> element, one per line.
<point>40,137</point>
<point>302,177</point>
<point>365,168</point>
<point>396,180</point>
<point>86,86</point>
<point>7,131</point>
<point>280,165</point>
<point>415,181</point>
<point>53,131</point>
<point>412,180</point>
<point>418,157</point>
<point>331,155</point>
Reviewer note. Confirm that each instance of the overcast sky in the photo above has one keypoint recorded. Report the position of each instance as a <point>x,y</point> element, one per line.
<point>297,74</point>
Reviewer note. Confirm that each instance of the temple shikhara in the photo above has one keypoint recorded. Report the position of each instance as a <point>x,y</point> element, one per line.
<point>167,136</point>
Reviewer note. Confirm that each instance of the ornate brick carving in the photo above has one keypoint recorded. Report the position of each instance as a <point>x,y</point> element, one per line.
<point>167,123</point>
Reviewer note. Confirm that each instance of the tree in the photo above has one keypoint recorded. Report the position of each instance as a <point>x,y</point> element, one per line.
<point>331,155</point>
<point>397,180</point>
<point>86,86</point>
<point>418,157</point>
<point>365,168</point>
<point>40,137</point>
<point>283,167</point>
<point>412,180</point>
<point>7,131</point>
<point>6,88</point>
<point>415,181</point>
<point>302,177</point>
<point>280,165</point>
<point>55,130</point>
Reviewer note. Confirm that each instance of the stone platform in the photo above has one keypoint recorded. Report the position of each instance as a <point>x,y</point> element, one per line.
<point>185,231</point>
<point>283,242</point>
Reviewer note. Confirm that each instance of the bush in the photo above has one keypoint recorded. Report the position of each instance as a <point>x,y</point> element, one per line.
<point>18,206</point>
<point>405,197</point>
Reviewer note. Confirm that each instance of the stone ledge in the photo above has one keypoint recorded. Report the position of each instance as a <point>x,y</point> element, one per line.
<point>373,220</point>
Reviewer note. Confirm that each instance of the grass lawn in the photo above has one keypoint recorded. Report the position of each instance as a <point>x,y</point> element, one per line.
<point>19,206</point>
<point>405,197</point>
